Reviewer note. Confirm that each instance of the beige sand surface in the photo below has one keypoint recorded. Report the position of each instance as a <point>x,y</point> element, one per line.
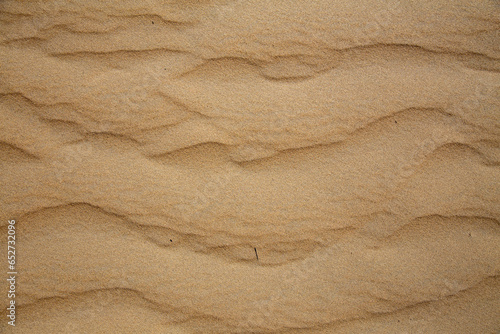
<point>260,166</point>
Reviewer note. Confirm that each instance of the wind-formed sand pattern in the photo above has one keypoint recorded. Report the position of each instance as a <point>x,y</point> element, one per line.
<point>251,166</point>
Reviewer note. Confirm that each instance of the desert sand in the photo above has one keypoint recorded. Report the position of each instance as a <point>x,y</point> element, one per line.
<point>262,166</point>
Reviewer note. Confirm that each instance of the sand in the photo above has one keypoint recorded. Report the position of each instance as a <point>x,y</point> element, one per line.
<point>251,166</point>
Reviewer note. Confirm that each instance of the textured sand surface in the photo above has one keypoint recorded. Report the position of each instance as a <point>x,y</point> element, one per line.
<point>251,166</point>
